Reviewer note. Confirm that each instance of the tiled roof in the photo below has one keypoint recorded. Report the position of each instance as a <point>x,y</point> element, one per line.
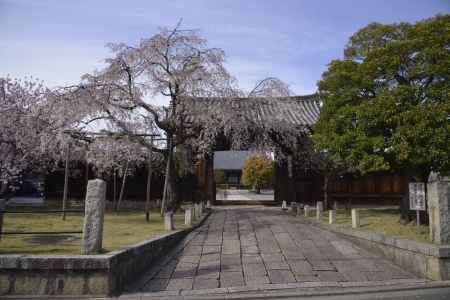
<point>230,160</point>
<point>295,111</point>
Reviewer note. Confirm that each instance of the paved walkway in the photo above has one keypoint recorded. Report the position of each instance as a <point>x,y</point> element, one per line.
<point>252,247</point>
<point>244,195</point>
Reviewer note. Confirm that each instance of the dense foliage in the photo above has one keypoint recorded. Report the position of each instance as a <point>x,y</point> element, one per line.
<point>386,104</point>
<point>257,172</point>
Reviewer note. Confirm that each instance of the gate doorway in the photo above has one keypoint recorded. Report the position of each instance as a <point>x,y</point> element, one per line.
<point>228,181</point>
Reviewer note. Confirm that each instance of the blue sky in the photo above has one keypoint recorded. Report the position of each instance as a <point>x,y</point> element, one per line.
<point>59,40</point>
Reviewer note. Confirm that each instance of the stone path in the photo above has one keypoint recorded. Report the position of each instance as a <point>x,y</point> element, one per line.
<point>253,247</point>
<point>244,195</point>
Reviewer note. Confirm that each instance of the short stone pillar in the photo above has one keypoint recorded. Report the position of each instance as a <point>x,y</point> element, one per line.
<point>168,221</point>
<point>319,212</point>
<point>284,205</point>
<point>335,205</point>
<point>298,208</point>
<point>201,208</point>
<point>293,206</point>
<point>194,213</point>
<point>319,206</point>
<point>2,208</point>
<point>355,218</point>
<point>208,204</point>
<point>198,210</point>
<point>306,208</point>
<point>438,195</point>
<point>93,217</point>
<point>332,216</point>
<point>188,216</point>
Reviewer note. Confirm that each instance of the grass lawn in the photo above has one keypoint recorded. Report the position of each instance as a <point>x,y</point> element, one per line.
<point>121,229</point>
<point>385,221</point>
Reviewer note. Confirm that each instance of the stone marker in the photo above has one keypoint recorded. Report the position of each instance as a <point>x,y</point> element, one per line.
<point>208,204</point>
<point>438,195</point>
<point>306,209</point>
<point>298,208</point>
<point>168,221</point>
<point>188,216</point>
<point>283,205</point>
<point>335,205</point>
<point>93,217</point>
<point>319,206</point>
<point>332,217</point>
<point>194,213</point>
<point>293,206</point>
<point>200,209</point>
<point>319,214</point>
<point>2,208</point>
<point>355,218</point>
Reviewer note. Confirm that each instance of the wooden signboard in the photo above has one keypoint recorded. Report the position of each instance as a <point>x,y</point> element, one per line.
<point>417,199</point>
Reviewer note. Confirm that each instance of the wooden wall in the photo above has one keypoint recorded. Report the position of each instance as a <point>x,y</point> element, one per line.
<point>381,188</point>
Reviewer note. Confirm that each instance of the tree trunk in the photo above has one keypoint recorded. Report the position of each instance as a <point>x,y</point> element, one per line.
<point>122,188</point>
<point>66,182</point>
<point>86,178</point>
<point>149,182</point>
<point>3,188</point>
<point>114,188</point>
<point>325,191</point>
<point>404,204</point>
<point>168,194</point>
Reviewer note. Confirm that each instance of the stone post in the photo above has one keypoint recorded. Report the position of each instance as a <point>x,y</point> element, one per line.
<point>319,212</point>
<point>284,205</point>
<point>93,217</point>
<point>200,208</point>
<point>319,206</point>
<point>2,208</point>
<point>438,195</point>
<point>293,206</point>
<point>332,216</point>
<point>188,216</point>
<point>355,218</point>
<point>335,205</point>
<point>208,204</point>
<point>194,213</point>
<point>168,221</point>
<point>298,211</point>
<point>306,209</point>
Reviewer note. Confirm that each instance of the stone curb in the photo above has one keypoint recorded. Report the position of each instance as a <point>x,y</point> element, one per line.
<point>103,274</point>
<point>173,252</point>
<point>439,251</point>
<point>78,261</point>
<point>268,290</point>
<point>292,290</point>
<point>425,260</point>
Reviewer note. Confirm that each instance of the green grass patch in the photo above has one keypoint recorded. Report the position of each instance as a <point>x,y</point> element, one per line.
<point>121,229</point>
<point>384,221</point>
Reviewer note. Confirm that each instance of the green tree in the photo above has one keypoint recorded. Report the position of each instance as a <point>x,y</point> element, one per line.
<point>257,171</point>
<point>219,176</point>
<point>386,104</point>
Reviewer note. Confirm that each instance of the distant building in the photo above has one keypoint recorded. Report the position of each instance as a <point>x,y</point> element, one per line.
<point>230,163</point>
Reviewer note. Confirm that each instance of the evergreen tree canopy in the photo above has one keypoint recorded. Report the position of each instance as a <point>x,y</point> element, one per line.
<point>257,171</point>
<point>386,104</point>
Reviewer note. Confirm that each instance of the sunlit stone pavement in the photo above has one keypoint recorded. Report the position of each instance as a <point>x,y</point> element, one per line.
<point>259,246</point>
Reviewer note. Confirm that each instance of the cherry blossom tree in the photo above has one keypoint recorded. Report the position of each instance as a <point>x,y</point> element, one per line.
<point>29,136</point>
<point>173,63</point>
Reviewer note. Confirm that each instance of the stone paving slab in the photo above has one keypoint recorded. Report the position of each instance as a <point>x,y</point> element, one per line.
<point>247,248</point>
